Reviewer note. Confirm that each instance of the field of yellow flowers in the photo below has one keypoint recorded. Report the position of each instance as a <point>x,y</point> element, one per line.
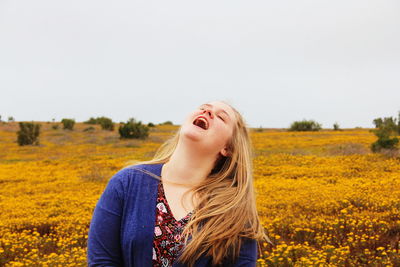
<point>324,199</point>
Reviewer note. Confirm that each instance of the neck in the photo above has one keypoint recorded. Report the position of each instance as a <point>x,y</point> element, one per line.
<point>187,166</point>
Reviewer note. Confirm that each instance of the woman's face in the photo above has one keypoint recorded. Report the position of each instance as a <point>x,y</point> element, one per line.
<point>211,127</point>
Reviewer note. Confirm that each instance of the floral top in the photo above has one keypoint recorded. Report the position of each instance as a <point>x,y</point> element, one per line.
<point>167,232</point>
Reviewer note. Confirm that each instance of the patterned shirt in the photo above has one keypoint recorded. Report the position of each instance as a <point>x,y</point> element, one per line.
<point>167,233</point>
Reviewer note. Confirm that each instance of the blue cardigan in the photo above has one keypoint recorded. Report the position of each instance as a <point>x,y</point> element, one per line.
<point>121,231</point>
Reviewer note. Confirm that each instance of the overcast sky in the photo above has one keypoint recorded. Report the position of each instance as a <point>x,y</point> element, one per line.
<point>275,61</point>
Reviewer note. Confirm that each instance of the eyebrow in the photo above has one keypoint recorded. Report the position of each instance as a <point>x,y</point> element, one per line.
<point>222,110</point>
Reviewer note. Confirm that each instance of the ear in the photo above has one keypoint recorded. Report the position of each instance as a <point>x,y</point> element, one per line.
<point>224,152</point>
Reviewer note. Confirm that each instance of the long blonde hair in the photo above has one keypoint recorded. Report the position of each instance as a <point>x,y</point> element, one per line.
<point>226,207</point>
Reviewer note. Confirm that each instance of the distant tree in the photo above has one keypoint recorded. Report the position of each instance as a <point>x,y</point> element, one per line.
<point>68,124</point>
<point>11,119</point>
<point>55,127</point>
<point>305,125</point>
<point>150,124</point>
<point>133,129</point>
<point>28,133</point>
<point>336,126</point>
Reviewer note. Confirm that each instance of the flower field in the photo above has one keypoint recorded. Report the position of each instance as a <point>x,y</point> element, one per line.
<point>324,199</point>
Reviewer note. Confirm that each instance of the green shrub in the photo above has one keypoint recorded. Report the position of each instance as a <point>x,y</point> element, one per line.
<point>11,119</point>
<point>68,124</point>
<point>305,125</point>
<point>386,130</point>
<point>28,133</point>
<point>167,123</point>
<point>377,122</point>
<point>55,127</point>
<point>105,123</point>
<point>150,124</point>
<point>389,123</point>
<point>336,126</point>
<point>91,121</point>
<point>398,124</point>
<point>384,142</point>
<point>133,129</point>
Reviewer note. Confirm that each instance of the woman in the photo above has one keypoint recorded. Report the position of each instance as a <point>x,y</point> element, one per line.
<point>198,211</point>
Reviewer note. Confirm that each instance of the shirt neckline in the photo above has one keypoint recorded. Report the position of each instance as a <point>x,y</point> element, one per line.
<point>186,217</point>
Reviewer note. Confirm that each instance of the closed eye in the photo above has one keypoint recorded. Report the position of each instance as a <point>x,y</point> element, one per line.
<point>219,116</point>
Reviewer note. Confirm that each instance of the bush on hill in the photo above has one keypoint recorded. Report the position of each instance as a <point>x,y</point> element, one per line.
<point>336,126</point>
<point>167,123</point>
<point>133,129</point>
<point>305,125</point>
<point>28,133</point>
<point>386,129</point>
<point>68,124</point>
<point>91,121</point>
<point>105,123</point>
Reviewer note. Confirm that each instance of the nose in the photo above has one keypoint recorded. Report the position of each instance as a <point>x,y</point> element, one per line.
<point>209,112</point>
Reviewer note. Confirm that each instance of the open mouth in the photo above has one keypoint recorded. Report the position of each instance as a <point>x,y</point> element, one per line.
<point>201,122</point>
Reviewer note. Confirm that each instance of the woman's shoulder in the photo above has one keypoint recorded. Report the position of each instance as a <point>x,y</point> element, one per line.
<point>150,169</point>
<point>129,175</point>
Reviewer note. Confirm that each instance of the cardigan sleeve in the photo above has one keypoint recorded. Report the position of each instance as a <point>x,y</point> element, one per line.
<point>104,246</point>
<point>248,254</point>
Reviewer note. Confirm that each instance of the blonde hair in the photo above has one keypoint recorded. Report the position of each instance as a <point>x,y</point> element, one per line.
<point>226,195</point>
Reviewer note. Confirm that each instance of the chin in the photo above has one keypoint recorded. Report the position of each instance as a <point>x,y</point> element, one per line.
<point>193,133</point>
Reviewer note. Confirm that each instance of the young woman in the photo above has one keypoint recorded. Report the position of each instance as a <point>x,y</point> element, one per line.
<point>192,205</point>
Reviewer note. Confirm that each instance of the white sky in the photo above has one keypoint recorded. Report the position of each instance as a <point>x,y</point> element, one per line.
<point>275,61</point>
